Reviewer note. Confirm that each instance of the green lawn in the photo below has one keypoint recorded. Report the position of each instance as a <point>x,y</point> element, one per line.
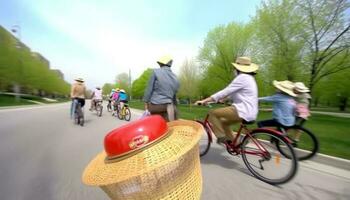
<point>6,100</point>
<point>332,132</point>
<point>10,100</point>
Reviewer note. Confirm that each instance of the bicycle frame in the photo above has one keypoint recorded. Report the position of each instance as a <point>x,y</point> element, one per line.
<point>236,146</point>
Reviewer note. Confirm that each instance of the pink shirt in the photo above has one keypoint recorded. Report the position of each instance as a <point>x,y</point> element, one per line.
<point>243,91</point>
<point>115,96</point>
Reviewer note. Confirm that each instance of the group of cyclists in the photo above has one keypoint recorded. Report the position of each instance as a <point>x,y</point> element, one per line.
<point>160,98</point>
<point>117,99</point>
<point>290,102</point>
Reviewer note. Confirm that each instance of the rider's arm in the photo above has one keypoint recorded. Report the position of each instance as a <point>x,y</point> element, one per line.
<point>268,99</point>
<point>148,92</point>
<point>234,86</point>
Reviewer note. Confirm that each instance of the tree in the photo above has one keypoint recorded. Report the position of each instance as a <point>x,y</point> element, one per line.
<point>334,89</point>
<point>122,82</point>
<point>140,84</point>
<point>221,47</point>
<point>189,78</point>
<point>326,34</point>
<point>107,88</point>
<point>278,43</point>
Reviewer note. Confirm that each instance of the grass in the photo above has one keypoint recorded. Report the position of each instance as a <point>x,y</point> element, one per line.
<point>332,132</point>
<point>6,100</point>
<point>10,100</point>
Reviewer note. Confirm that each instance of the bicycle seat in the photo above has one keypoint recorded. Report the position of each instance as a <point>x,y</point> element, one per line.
<point>248,122</point>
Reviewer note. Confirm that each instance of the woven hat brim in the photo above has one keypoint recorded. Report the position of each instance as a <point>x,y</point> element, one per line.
<point>246,68</point>
<point>302,89</point>
<point>284,89</point>
<point>182,137</point>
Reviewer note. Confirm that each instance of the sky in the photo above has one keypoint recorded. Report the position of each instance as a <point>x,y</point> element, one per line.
<point>99,39</point>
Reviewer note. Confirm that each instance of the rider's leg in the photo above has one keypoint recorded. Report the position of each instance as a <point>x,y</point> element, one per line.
<point>158,109</point>
<point>221,119</point>
<point>91,104</point>
<point>121,103</point>
<point>268,123</point>
<point>299,121</point>
<point>171,112</point>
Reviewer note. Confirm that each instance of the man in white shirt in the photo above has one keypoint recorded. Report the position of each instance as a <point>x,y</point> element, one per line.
<point>95,97</point>
<point>243,92</point>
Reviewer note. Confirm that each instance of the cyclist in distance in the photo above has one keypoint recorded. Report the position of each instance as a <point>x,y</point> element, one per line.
<point>160,95</point>
<point>243,92</point>
<point>123,98</point>
<point>78,91</point>
<point>110,97</point>
<point>95,97</point>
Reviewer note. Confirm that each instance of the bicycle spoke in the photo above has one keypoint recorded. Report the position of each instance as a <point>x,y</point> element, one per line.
<point>265,161</point>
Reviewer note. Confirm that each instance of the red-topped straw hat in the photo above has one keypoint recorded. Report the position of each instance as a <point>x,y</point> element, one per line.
<point>149,159</point>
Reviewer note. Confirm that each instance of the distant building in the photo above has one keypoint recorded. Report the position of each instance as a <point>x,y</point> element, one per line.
<point>41,58</point>
<point>59,73</point>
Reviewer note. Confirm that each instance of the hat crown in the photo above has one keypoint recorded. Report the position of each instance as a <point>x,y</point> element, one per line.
<point>243,61</point>
<point>165,59</point>
<point>134,136</point>
<point>300,86</point>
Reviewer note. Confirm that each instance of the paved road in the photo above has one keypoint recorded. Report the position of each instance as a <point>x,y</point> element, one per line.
<point>42,156</point>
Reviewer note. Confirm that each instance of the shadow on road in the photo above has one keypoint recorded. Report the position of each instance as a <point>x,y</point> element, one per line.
<point>219,156</point>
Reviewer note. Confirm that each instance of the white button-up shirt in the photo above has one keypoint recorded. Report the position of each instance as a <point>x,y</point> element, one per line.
<point>243,92</point>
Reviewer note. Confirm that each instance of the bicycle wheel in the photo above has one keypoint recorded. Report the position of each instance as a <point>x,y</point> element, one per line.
<point>120,113</point>
<point>264,160</point>
<point>99,110</point>
<point>109,107</point>
<point>127,115</point>
<point>80,115</point>
<point>304,142</point>
<point>205,141</point>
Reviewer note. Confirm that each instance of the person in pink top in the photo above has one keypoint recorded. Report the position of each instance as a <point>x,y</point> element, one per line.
<point>115,100</point>
<point>244,94</point>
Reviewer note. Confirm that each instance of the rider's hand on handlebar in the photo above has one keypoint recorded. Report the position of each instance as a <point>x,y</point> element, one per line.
<point>200,103</point>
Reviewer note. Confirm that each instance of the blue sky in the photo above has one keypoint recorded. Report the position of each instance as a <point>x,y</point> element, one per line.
<point>97,40</point>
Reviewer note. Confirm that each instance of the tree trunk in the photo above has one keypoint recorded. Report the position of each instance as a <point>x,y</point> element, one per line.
<point>343,103</point>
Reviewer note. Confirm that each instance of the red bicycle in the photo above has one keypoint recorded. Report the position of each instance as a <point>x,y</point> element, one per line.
<point>262,158</point>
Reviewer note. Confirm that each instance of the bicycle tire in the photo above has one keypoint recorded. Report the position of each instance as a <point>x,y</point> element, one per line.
<point>120,114</point>
<point>127,115</point>
<point>205,141</point>
<point>276,171</point>
<point>100,110</point>
<point>305,148</point>
<point>80,115</point>
<point>109,107</point>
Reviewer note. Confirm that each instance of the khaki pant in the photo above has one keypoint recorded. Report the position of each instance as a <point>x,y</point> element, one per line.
<point>222,119</point>
<point>167,111</point>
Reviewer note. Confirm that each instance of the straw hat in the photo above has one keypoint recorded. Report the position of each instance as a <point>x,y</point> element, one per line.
<point>122,90</point>
<point>300,87</point>
<point>165,60</point>
<point>285,86</point>
<point>149,159</point>
<point>79,80</point>
<point>244,64</point>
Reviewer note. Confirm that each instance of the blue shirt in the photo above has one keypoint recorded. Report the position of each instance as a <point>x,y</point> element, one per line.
<point>162,87</point>
<point>283,108</point>
<point>123,96</point>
